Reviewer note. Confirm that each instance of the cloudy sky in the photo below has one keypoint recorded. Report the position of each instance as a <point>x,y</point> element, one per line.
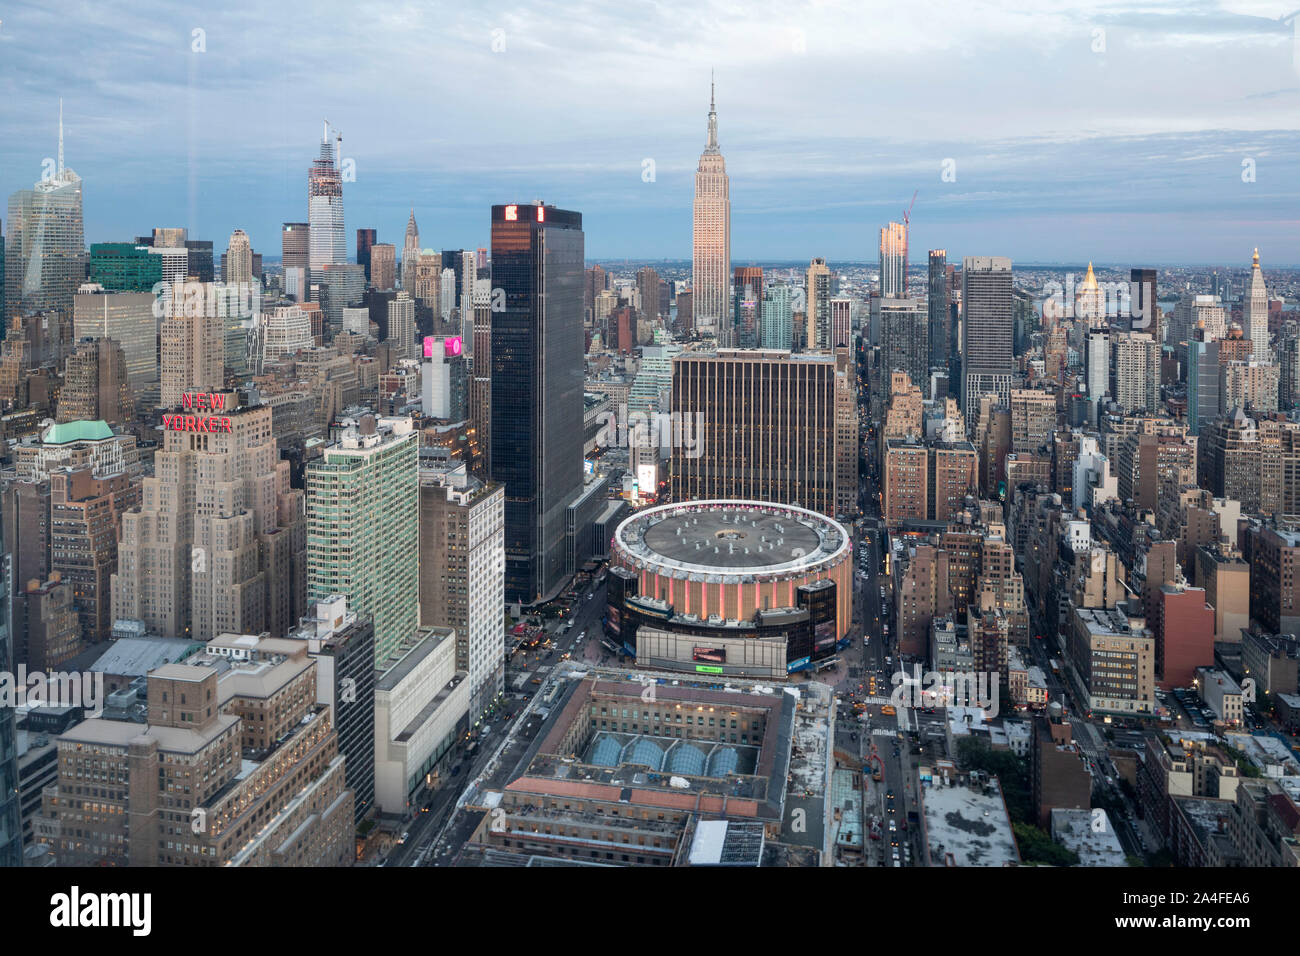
<point>1119,132</point>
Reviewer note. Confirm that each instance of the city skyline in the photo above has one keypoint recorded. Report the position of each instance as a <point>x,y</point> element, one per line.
<point>1119,129</point>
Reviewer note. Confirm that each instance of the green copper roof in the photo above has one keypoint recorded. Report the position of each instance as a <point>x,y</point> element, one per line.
<point>65,432</point>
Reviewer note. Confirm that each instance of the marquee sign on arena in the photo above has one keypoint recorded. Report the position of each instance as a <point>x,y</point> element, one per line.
<point>199,401</point>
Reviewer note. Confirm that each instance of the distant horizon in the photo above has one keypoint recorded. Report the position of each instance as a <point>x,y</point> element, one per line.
<point>1160,136</point>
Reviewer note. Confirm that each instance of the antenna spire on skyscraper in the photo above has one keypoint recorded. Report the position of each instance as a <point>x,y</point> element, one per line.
<point>60,138</point>
<point>713,117</point>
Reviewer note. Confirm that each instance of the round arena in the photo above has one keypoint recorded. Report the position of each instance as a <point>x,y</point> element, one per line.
<point>722,563</point>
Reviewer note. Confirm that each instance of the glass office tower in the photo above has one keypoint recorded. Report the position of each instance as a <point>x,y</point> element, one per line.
<point>537,369</point>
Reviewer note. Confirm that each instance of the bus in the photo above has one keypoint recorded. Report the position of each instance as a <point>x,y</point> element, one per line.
<point>1056,666</point>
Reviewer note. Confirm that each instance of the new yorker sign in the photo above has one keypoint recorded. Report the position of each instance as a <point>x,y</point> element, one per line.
<point>199,402</point>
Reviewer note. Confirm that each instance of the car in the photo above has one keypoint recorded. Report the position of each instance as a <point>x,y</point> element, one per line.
<point>893,826</point>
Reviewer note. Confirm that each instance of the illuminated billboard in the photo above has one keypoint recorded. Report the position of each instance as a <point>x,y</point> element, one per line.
<point>713,655</point>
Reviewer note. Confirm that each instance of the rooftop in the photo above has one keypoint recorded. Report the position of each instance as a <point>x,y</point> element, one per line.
<point>966,824</point>
<point>732,535</point>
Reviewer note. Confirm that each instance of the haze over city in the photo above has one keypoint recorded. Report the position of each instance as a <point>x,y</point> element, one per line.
<point>1115,132</point>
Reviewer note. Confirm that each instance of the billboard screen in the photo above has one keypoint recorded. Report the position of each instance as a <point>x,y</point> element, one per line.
<point>713,655</point>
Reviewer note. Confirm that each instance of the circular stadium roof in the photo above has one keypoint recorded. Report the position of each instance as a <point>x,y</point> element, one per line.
<point>729,536</point>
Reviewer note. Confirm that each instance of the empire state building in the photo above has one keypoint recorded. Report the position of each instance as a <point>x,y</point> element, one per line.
<point>712,238</point>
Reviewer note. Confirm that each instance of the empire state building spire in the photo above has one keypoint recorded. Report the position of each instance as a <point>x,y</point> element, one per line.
<point>712,146</point>
<point>711,238</point>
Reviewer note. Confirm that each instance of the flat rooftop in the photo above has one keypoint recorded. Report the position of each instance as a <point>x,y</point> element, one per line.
<point>968,825</point>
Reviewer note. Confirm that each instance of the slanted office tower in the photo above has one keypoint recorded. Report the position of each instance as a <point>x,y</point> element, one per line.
<point>987,360</point>
<point>537,367</point>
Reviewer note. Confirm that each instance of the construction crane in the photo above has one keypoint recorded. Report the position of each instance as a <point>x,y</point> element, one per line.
<point>907,213</point>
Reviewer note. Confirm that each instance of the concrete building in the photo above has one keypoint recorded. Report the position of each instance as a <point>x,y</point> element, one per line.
<point>383,265</point>
<point>1226,579</point>
<point>1114,658</point>
<point>1184,635</point>
<point>1221,693</point>
<point>192,350</point>
<point>462,572</point>
<point>127,318</point>
<point>217,543</point>
<point>237,765</point>
<point>1033,419</point>
<point>85,519</point>
<point>1275,580</point>
<point>421,703</point>
<point>1135,372</point>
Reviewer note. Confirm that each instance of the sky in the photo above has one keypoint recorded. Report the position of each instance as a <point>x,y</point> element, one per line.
<point>1139,132</point>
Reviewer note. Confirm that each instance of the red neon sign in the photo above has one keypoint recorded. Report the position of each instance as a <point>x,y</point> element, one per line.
<point>512,213</point>
<point>213,400</point>
<point>541,214</point>
<point>200,401</point>
<point>196,423</point>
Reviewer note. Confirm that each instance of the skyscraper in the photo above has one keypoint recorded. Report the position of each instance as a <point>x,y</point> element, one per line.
<point>748,299</point>
<point>647,285</point>
<point>95,384</point>
<point>1098,367</point>
<point>841,321</point>
<point>462,571</point>
<point>711,264</point>
<point>763,426</point>
<point>537,405</point>
<point>1144,308</point>
<point>382,268</point>
<point>818,304</point>
<point>325,206</point>
<point>1257,313</point>
<point>905,340</point>
<point>238,264</point>
<point>45,256</point>
<point>1135,372</point>
<point>987,361</point>
<point>893,261</point>
<point>11,832</point>
<point>363,526</point>
<point>193,345</point>
<point>365,242</point>
<point>127,318</point>
<point>216,545</point>
<point>937,306</point>
<point>410,254</point>
<point>401,325</point>
<point>776,329</point>
<point>295,256</point>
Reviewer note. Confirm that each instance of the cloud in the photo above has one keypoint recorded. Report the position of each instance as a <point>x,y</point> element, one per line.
<point>830,115</point>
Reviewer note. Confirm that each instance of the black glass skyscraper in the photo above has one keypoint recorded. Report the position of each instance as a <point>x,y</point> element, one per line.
<point>365,240</point>
<point>937,302</point>
<point>11,834</point>
<point>537,369</point>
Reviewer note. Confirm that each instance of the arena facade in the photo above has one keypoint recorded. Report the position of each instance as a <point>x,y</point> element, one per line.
<point>730,587</point>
